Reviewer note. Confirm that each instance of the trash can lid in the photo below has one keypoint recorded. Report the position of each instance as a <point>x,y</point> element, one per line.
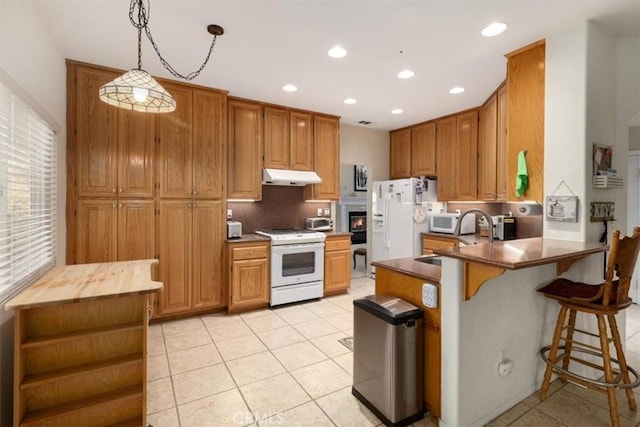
<point>389,308</point>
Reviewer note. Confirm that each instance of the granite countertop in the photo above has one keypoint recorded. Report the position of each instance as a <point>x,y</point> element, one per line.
<point>522,253</point>
<point>249,238</point>
<point>411,267</point>
<point>467,239</point>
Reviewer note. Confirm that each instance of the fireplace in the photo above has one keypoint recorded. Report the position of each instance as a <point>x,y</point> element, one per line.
<point>358,226</point>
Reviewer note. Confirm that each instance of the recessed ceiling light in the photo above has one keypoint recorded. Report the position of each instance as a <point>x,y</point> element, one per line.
<point>289,88</point>
<point>337,52</point>
<point>406,74</point>
<point>397,111</point>
<point>350,101</point>
<point>456,90</point>
<point>494,29</point>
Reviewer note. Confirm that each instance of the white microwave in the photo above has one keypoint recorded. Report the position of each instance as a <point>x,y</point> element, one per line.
<point>447,222</point>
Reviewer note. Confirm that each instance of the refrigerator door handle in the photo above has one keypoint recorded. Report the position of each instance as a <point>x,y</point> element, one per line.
<point>387,242</point>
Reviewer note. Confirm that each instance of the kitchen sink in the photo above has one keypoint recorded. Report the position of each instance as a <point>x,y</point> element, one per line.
<point>434,260</point>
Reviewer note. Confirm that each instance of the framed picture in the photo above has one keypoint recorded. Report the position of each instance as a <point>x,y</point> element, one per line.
<point>562,208</point>
<point>360,177</point>
<point>601,159</point>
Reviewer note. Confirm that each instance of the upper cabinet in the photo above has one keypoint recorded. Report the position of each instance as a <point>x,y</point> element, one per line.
<point>245,150</point>
<point>423,149</point>
<point>457,156</point>
<point>400,153</point>
<point>525,86</point>
<point>288,139</point>
<point>326,143</point>
<point>492,147</point>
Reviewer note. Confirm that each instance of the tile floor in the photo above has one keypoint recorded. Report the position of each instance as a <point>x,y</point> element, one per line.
<point>285,366</point>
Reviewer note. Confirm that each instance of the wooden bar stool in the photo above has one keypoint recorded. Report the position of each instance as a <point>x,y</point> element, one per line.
<point>360,251</point>
<point>604,301</point>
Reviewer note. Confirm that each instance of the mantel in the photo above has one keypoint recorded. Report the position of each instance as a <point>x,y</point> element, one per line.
<point>362,201</point>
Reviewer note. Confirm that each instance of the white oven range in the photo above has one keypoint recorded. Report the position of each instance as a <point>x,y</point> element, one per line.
<point>297,264</point>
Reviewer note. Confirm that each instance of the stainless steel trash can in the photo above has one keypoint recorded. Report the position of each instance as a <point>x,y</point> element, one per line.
<point>388,358</point>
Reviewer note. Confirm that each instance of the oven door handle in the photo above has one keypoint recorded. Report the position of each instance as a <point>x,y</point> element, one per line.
<point>304,246</point>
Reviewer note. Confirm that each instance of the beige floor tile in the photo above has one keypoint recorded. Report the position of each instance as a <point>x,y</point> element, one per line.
<point>329,344</point>
<point>159,395</point>
<point>254,368</point>
<point>602,400</point>
<point>200,383</point>
<point>298,355</point>
<point>193,358</point>
<point>299,315</point>
<point>308,415</point>
<point>345,361</point>
<point>157,367</point>
<point>572,410</point>
<point>155,346</point>
<point>341,321</point>
<point>222,329</point>
<point>346,306</point>
<point>322,378</point>
<point>166,418</point>
<point>326,308</point>
<point>266,322</point>
<point>257,313</point>
<point>223,409</point>
<point>182,326</point>
<point>235,348</point>
<point>154,330</point>
<point>280,337</point>
<point>510,416</point>
<point>187,340</point>
<point>315,328</point>
<point>425,422</point>
<point>345,410</point>
<point>271,396</point>
<point>535,418</point>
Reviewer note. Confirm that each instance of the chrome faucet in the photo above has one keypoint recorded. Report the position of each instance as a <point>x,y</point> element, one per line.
<point>481,212</point>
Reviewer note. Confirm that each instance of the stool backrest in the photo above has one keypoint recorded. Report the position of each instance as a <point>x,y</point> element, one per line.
<point>622,261</point>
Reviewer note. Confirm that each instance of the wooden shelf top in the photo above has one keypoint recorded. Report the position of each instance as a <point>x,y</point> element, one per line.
<point>71,283</point>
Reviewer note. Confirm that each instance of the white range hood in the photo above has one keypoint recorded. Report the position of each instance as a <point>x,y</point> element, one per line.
<point>289,177</point>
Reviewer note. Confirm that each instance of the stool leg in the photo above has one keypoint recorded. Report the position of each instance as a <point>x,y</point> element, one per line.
<point>621,360</point>
<point>354,260</point>
<point>608,372</point>
<point>553,352</point>
<point>568,343</point>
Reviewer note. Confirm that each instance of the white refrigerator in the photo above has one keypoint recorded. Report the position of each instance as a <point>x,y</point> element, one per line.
<point>397,208</point>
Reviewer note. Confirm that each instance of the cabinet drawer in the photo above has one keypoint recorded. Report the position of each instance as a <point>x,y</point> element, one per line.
<point>428,245</point>
<point>337,245</point>
<point>250,252</point>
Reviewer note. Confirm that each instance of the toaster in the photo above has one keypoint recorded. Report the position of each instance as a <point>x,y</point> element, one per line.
<point>234,230</point>
<point>319,224</point>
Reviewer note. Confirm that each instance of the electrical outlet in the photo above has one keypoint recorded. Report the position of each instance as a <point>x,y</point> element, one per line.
<point>319,212</point>
<point>430,295</point>
<point>327,211</point>
<point>229,213</point>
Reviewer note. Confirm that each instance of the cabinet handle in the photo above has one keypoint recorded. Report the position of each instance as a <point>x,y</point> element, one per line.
<point>195,205</point>
<point>250,252</point>
<point>115,205</point>
<point>120,190</point>
<point>120,205</point>
<point>189,205</point>
<point>194,192</point>
<point>113,190</point>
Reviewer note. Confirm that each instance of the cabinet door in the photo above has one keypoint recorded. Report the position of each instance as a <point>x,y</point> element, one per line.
<point>276,138</point>
<point>174,132</point>
<point>206,277</point>
<point>301,141</point>
<point>244,156</point>
<point>249,283</point>
<point>467,154</point>
<point>446,155</point>
<point>400,154</point>
<point>423,149</point>
<point>487,145</point>
<point>501,145</point>
<point>136,229</point>
<point>337,271</point>
<point>136,152</point>
<point>326,142</point>
<point>97,231</point>
<point>175,255</point>
<point>96,132</point>
<point>428,245</point>
<point>209,150</point>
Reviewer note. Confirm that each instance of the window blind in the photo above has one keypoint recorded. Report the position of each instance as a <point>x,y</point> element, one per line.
<point>27,194</point>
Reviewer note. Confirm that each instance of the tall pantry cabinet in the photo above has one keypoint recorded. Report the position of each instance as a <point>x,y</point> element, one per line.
<point>142,185</point>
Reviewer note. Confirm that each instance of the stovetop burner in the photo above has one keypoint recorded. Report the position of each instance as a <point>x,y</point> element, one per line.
<point>277,231</point>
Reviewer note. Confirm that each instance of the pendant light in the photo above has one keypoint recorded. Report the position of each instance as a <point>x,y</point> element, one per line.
<point>136,89</point>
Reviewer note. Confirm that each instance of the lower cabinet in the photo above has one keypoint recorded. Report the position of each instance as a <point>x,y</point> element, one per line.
<point>337,264</point>
<point>430,243</point>
<point>248,272</point>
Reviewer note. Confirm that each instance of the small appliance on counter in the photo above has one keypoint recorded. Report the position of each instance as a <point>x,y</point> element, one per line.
<point>234,230</point>
<point>505,227</point>
<point>447,222</point>
<point>318,224</point>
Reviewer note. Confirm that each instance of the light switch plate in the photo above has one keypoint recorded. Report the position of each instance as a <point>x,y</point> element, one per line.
<point>229,213</point>
<point>319,212</point>
<point>430,295</point>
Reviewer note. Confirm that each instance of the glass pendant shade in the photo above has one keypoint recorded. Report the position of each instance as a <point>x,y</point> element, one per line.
<point>137,90</point>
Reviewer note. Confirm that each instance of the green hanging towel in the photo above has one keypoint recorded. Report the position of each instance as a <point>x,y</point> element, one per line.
<point>522,177</point>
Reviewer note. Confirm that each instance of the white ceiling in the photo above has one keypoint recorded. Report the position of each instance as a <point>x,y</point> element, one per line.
<point>269,43</point>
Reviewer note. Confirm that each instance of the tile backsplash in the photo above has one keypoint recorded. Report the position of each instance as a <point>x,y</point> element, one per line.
<point>280,207</point>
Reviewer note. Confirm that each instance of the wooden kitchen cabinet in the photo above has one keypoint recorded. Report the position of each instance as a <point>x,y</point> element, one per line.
<point>245,152</point>
<point>423,149</point>
<point>400,154</point>
<point>337,264</point>
<point>301,140</point>
<point>248,270</point>
<point>190,241</point>
<point>430,243</point>
<point>525,86</point>
<point>288,139</point>
<point>457,155</point>
<point>492,147</point>
<point>326,147</point>
<point>115,230</point>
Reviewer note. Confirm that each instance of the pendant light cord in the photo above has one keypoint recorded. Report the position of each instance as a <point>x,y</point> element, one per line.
<point>143,23</point>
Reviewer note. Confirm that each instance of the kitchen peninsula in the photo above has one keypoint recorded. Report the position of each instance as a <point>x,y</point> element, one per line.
<point>488,311</point>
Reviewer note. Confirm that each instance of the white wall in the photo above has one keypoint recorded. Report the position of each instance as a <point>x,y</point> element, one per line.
<point>362,146</point>
<point>634,138</point>
<point>29,58</point>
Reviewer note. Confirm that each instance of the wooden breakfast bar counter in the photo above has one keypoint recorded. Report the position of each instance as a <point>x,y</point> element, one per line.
<point>80,345</point>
